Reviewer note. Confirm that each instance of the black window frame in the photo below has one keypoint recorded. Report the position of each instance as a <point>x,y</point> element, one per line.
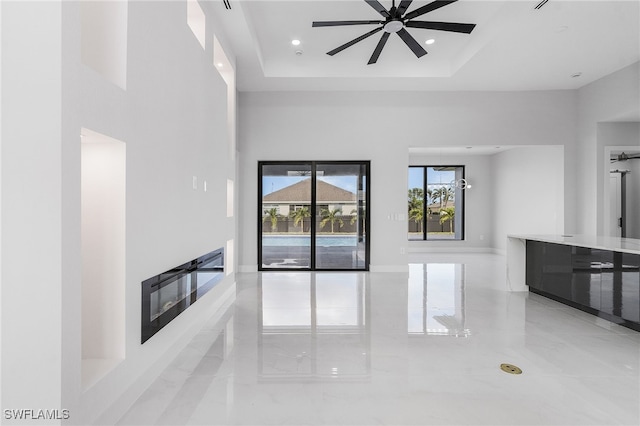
<point>425,205</point>
<point>313,165</point>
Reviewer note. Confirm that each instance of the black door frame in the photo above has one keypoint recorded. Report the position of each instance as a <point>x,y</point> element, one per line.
<point>363,214</point>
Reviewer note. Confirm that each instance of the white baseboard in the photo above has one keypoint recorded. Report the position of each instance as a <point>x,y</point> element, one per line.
<point>389,268</point>
<point>372,268</point>
<point>432,249</point>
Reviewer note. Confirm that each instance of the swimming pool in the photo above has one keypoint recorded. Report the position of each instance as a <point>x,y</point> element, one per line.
<point>305,241</point>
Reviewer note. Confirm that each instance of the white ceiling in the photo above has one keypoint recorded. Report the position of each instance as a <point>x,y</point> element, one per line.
<point>513,47</point>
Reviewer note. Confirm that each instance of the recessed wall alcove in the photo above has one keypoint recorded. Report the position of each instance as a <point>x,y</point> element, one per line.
<point>196,21</point>
<point>230,198</point>
<point>104,38</point>
<point>103,195</point>
<point>227,72</point>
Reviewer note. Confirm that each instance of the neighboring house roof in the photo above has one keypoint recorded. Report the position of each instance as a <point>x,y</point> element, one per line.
<point>300,193</point>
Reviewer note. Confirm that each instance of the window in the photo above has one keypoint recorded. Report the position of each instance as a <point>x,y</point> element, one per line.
<point>435,203</point>
<point>313,215</point>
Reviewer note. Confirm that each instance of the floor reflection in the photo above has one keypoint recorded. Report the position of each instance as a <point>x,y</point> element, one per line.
<point>313,326</point>
<point>436,303</point>
<point>301,348</point>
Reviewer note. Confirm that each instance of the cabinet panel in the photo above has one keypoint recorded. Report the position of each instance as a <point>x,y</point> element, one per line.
<point>630,287</point>
<point>608,293</point>
<point>586,278</point>
<point>534,261</point>
<point>602,282</point>
<point>557,270</point>
<point>549,268</point>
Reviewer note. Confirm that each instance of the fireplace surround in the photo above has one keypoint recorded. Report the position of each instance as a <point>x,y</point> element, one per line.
<point>170,293</point>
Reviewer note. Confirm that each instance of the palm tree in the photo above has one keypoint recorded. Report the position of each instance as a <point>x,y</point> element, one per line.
<point>273,216</point>
<point>443,194</point>
<point>299,216</point>
<point>447,195</point>
<point>447,214</point>
<point>415,205</point>
<point>331,216</point>
<point>436,195</point>
<point>354,216</point>
<point>415,197</point>
<point>417,214</point>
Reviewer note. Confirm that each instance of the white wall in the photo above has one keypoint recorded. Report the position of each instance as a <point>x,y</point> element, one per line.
<point>615,97</point>
<point>104,40</point>
<point>381,127</point>
<point>31,305</point>
<point>528,187</point>
<point>173,119</point>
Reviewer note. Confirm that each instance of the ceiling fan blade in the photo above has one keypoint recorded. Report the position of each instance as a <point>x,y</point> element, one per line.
<point>378,49</point>
<point>428,8</point>
<point>412,43</point>
<point>378,7</point>
<point>339,23</point>
<point>455,27</point>
<point>354,41</point>
<point>403,6</point>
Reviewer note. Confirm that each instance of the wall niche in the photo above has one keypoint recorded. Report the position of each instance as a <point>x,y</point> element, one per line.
<point>103,198</point>
<point>104,38</point>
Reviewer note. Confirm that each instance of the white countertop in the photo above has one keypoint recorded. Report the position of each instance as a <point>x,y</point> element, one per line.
<point>626,245</point>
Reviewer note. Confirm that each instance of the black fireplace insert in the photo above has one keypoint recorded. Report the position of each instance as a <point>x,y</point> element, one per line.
<point>168,294</point>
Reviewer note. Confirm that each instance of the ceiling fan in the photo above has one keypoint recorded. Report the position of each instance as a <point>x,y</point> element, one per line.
<point>395,20</point>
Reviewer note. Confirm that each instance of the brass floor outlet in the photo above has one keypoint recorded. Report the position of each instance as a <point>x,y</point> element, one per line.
<point>511,369</point>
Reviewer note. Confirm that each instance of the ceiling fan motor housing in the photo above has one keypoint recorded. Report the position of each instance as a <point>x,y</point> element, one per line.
<point>393,26</point>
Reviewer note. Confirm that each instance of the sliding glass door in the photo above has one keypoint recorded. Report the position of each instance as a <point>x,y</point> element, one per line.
<point>340,212</point>
<point>285,216</point>
<point>312,215</point>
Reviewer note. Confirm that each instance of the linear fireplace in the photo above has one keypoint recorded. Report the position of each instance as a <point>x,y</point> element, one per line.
<point>166,295</point>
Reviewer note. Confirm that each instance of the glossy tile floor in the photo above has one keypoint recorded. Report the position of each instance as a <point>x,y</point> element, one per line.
<point>391,349</point>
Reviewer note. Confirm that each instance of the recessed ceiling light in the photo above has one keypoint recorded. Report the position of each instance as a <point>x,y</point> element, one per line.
<point>430,41</point>
<point>220,64</point>
<point>295,42</point>
<point>576,74</point>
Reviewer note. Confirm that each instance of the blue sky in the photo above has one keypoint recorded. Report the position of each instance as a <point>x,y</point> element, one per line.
<point>416,179</point>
